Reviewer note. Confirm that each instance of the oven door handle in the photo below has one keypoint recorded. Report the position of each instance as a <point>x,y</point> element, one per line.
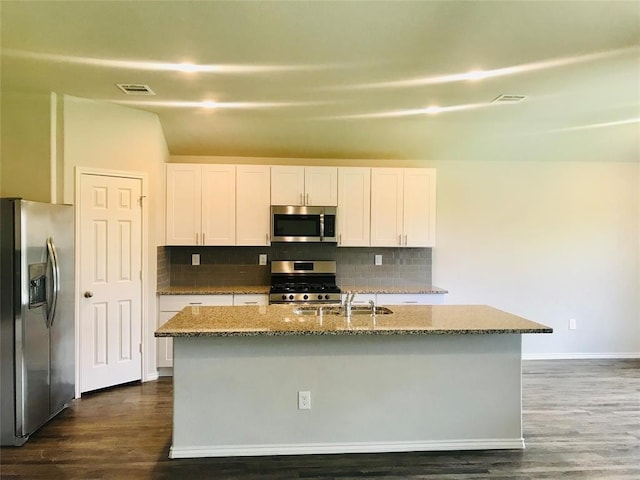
<point>322,227</point>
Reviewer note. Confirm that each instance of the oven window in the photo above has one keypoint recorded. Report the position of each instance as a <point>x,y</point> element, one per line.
<point>296,225</point>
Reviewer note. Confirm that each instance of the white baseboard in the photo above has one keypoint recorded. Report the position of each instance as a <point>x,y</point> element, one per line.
<point>150,377</point>
<point>579,356</point>
<point>326,448</point>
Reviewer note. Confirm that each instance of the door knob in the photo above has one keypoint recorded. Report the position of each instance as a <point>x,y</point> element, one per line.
<point>88,294</point>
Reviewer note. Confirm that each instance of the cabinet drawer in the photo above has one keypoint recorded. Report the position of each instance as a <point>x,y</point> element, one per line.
<point>250,299</point>
<point>175,303</point>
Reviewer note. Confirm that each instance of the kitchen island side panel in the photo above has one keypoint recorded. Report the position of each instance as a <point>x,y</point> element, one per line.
<point>238,395</point>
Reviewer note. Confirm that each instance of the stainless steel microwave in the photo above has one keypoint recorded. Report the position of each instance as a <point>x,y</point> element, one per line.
<point>303,224</point>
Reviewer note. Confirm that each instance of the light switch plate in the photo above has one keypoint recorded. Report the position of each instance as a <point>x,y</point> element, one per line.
<point>262,259</point>
<point>378,260</point>
<point>195,259</point>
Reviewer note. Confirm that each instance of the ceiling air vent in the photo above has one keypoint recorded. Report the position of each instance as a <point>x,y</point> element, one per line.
<point>509,99</point>
<point>135,89</point>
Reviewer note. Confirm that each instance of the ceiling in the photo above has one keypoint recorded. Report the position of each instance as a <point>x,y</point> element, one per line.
<point>348,79</point>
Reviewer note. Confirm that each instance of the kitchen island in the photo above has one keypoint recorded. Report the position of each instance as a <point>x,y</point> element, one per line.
<point>442,377</point>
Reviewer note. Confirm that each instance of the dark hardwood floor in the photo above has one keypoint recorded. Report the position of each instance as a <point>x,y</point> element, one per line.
<point>581,421</point>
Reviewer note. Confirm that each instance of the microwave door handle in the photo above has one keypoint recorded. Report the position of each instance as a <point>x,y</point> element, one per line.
<point>322,227</point>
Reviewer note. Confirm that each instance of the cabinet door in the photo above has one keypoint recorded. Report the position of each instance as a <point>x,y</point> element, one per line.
<point>165,344</point>
<point>183,204</point>
<point>354,206</point>
<point>419,210</point>
<point>253,190</point>
<point>287,185</point>
<point>386,206</point>
<point>218,205</point>
<point>321,186</point>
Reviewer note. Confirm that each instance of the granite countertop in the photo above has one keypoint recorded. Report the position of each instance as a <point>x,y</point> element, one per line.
<point>264,289</point>
<point>276,320</point>
<point>214,290</point>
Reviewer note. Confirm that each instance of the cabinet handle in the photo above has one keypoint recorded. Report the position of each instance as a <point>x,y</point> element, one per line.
<point>405,240</point>
<point>250,303</point>
<point>301,199</point>
<point>266,238</point>
<point>197,238</point>
<point>410,301</point>
<point>308,203</point>
<point>195,303</point>
<point>340,239</point>
<point>400,240</point>
<point>203,238</point>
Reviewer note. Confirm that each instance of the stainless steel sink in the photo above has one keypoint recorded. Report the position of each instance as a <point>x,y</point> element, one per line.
<point>355,310</point>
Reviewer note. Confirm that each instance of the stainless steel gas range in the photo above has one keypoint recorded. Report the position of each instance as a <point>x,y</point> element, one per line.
<point>298,282</point>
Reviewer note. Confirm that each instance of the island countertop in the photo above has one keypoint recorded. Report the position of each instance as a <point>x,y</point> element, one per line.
<point>279,320</point>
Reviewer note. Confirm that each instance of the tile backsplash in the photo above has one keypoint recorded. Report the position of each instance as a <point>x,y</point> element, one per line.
<point>401,267</point>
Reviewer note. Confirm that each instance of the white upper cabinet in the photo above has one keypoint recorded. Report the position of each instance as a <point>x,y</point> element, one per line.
<point>304,186</point>
<point>321,186</point>
<point>253,190</point>
<point>403,207</point>
<point>184,204</point>
<point>419,208</point>
<point>200,204</point>
<point>354,206</point>
<point>218,205</point>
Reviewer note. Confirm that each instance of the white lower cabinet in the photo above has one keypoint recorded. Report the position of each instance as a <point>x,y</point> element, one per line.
<point>169,305</point>
<point>409,299</point>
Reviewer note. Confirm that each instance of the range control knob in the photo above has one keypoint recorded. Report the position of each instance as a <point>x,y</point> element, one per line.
<point>306,297</point>
<point>284,297</point>
<point>326,297</point>
<point>290,297</point>
<point>319,297</point>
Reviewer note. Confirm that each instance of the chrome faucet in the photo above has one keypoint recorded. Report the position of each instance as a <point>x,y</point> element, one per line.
<point>372,304</point>
<point>348,300</point>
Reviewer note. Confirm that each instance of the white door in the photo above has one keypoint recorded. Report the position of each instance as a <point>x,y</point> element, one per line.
<point>110,297</point>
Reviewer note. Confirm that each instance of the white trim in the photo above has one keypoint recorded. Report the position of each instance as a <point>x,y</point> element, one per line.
<point>53,147</point>
<point>143,177</point>
<point>150,377</point>
<point>579,356</point>
<point>324,448</point>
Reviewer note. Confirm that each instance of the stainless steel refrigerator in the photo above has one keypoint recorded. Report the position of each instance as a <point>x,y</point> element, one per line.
<point>37,344</point>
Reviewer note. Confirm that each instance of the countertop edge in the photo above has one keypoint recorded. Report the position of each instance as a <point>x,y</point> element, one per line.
<point>285,333</point>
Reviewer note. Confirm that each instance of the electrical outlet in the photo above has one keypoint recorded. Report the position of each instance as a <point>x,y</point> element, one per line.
<point>304,400</point>
<point>195,259</point>
<point>262,259</point>
<point>572,324</point>
<point>378,260</point>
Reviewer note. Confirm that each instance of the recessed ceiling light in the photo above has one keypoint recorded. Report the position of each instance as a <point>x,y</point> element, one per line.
<point>135,89</point>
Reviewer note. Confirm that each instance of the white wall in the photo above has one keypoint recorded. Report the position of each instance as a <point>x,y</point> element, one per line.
<point>25,167</point>
<point>112,137</point>
<point>548,241</point>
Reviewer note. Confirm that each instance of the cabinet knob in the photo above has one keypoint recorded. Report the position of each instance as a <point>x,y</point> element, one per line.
<point>88,294</point>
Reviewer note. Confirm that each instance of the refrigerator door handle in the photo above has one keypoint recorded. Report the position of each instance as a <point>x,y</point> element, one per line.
<point>55,270</point>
